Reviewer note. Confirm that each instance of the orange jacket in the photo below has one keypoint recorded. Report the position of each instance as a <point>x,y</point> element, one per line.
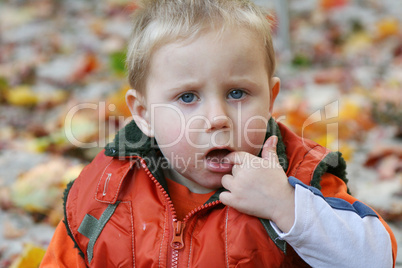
<point>119,214</point>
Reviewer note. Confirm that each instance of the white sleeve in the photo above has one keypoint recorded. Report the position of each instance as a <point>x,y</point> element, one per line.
<point>330,232</point>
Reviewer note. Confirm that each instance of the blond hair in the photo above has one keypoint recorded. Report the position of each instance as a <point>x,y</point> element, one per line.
<point>159,22</point>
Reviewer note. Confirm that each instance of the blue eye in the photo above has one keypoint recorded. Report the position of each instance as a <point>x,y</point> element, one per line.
<point>187,97</point>
<point>236,94</point>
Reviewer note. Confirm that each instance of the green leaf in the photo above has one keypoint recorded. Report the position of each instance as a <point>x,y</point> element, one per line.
<point>117,62</point>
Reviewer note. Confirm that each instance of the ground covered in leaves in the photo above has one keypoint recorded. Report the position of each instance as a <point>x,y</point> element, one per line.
<point>62,86</point>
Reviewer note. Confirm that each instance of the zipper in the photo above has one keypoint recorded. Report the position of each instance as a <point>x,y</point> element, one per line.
<point>178,230</point>
<point>177,242</point>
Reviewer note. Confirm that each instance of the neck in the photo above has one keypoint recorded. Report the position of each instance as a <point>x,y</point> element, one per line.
<point>192,186</point>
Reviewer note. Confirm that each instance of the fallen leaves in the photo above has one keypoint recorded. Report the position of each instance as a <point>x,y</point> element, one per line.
<point>62,95</point>
<point>21,96</point>
<point>387,160</point>
<point>12,231</point>
<point>87,64</point>
<point>39,190</point>
<point>31,257</point>
<point>388,27</point>
<point>329,4</point>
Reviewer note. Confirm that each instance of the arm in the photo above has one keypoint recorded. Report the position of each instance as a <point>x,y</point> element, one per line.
<point>337,229</point>
<point>322,231</point>
<point>61,251</point>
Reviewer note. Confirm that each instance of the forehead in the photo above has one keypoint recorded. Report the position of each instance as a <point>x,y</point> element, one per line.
<point>229,42</point>
<point>216,35</point>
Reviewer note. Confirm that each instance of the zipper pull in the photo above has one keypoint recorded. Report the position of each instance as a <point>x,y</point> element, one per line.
<point>177,241</point>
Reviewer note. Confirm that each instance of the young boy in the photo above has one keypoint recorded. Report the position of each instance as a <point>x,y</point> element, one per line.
<point>203,177</point>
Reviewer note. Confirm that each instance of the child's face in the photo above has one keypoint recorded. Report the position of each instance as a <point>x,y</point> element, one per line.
<point>205,98</point>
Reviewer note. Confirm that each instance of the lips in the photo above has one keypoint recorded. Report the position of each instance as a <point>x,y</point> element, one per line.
<point>215,160</point>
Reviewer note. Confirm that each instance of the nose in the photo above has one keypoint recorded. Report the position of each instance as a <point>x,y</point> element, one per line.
<point>217,116</point>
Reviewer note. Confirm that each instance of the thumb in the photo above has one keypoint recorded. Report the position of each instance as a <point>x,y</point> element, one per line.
<point>269,147</point>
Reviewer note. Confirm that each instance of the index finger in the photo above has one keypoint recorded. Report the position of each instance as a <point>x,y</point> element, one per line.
<point>235,158</point>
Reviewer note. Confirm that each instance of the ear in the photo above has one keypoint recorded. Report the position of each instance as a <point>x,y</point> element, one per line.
<point>275,85</point>
<point>136,103</point>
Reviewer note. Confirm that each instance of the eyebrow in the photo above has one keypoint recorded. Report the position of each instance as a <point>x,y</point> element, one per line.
<point>243,80</point>
<point>190,84</point>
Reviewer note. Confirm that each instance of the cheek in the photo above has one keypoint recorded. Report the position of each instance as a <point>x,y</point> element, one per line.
<point>179,154</point>
<point>253,133</point>
<point>167,135</point>
<point>172,128</point>
<point>194,130</point>
<point>168,126</point>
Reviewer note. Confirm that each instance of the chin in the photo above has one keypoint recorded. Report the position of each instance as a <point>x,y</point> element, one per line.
<point>213,181</point>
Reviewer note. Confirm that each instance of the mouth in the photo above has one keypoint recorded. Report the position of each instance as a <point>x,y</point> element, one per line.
<point>218,155</point>
<point>216,162</point>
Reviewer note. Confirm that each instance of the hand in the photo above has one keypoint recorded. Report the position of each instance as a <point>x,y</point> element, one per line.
<point>259,186</point>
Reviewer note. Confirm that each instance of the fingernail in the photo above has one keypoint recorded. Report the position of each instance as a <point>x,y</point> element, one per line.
<point>269,142</point>
<point>273,141</point>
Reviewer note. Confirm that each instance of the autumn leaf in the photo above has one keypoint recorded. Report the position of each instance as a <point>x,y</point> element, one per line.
<point>31,257</point>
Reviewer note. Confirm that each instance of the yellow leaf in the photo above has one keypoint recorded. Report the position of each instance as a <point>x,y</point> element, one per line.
<point>325,140</point>
<point>349,110</point>
<point>72,173</point>
<point>38,145</point>
<point>117,103</point>
<point>54,97</point>
<point>357,43</point>
<point>21,96</point>
<point>347,151</point>
<point>31,257</point>
<point>387,27</point>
